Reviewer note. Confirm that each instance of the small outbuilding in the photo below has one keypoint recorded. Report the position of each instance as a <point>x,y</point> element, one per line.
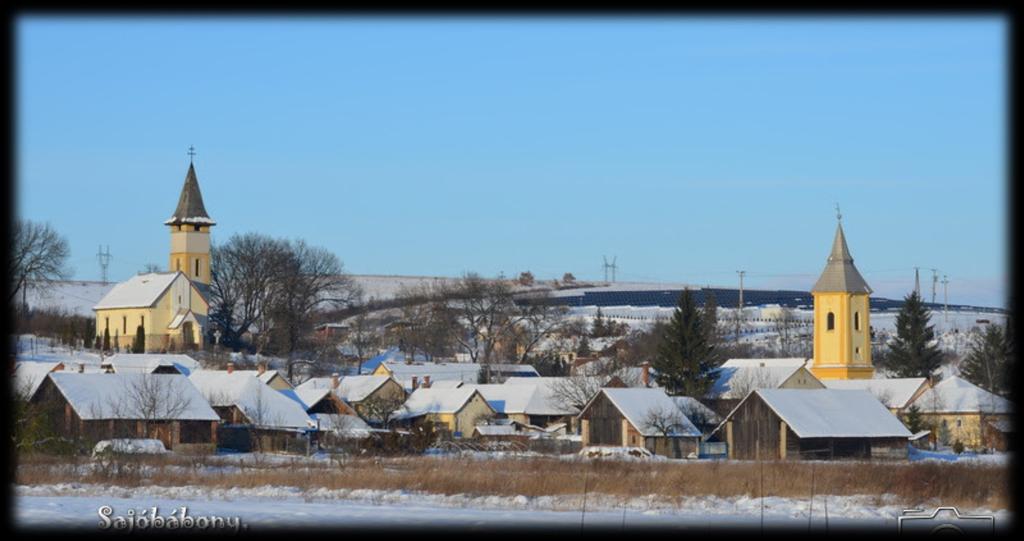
<point>794,424</point>
<point>638,417</point>
<point>456,411</point>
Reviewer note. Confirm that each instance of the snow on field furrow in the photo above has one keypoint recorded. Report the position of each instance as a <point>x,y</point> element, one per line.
<point>863,507</point>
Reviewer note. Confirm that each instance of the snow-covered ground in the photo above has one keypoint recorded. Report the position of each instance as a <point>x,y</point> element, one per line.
<point>75,506</point>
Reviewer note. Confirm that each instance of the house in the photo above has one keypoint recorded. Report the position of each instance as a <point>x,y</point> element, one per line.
<point>737,377</point>
<point>998,434</point>
<point>957,409</point>
<point>358,392</point>
<point>255,416</point>
<point>896,393</point>
<point>150,363</point>
<point>29,375</point>
<point>511,402</point>
<point>554,397</point>
<point>96,407</point>
<point>456,411</point>
<point>795,424</point>
<point>506,430</point>
<point>638,417</point>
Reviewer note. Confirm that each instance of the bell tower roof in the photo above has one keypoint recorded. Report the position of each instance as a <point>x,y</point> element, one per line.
<point>840,275</point>
<point>190,208</point>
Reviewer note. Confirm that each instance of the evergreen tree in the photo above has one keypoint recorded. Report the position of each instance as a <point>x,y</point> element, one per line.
<point>912,419</point>
<point>599,328</point>
<point>106,339</point>
<point>139,345</point>
<point>710,315</point>
<point>583,350</point>
<point>685,361</point>
<point>987,360</point>
<point>913,352</point>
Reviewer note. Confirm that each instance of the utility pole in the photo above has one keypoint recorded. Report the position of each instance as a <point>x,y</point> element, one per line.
<point>935,281</point>
<point>945,301</point>
<point>739,309</point>
<point>104,260</point>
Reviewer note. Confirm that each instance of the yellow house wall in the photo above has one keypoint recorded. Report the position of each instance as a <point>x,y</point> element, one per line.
<point>381,370</point>
<point>802,379</point>
<point>970,430</point>
<point>157,317</point>
<point>475,410</point>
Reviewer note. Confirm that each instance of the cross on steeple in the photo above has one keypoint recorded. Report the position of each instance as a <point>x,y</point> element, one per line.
<point>839,215</point>
<point>191,153</point>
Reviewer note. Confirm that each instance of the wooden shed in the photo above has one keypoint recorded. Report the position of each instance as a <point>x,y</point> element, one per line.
<point>638,417</point>
<point>793,424</point>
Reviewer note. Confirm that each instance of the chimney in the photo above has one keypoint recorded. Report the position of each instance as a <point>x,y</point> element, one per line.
<point>415,382</point>
<point>645,376</point>
<point>335,381</point>
<point>231,367</point>
<point>261,368</point>
<point>426,381</point>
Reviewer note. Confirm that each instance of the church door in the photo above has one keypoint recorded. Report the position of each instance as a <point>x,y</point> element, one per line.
<point>186,334</point>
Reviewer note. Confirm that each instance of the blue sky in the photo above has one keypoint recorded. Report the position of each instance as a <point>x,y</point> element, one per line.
<point>687,147</point>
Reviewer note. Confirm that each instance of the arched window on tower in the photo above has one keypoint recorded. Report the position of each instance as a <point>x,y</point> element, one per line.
<point>197,268</point>
<point>830,321</point>
<point>856,321</point>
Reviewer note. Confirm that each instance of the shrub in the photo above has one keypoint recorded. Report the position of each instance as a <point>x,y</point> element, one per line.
<point>958,447</point>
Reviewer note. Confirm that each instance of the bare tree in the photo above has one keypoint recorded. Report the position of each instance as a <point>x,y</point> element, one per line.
<point>38,254</point>
<point>379,409</point>
<point>539,319</point>
<point>573,392</point>
<point>665,421</point>
<point>485,311</point>
<point>363,336</point>
<point>748,379</point>
<point>150,398</point>
<point>246,270</point>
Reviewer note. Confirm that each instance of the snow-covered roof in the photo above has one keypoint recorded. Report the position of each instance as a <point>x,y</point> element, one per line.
<point>778,361</point>
<point>350,388</point>
<point>496,430</point>
<point>125,363</point>
<point>261,404</point>
<point>506,398</point>
<point>120,396</point>
<point>350,425</point>
<point>893,392</point>
<point>464,372</point>
<point>546,400</point>
<point>139,291</point>
<point>735,382</point>
<point>639,404</point>
<point>423,401</point>
<point>308,396</point>
<point>446,384</point>
<point>957,395</point>
<point>833,413</point>
<point>693,408</point>
<point>28,376</point>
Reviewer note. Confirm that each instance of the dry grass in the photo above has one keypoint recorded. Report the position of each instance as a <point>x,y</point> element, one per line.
<point>964,485</point>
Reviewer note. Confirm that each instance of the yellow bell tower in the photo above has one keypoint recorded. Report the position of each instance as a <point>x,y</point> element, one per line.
<point>190,232</point>
<point>842,337</point>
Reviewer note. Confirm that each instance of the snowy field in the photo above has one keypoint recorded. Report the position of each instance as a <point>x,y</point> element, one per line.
<point>264,508</point>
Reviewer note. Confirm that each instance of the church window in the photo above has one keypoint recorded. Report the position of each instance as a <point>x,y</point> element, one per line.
<point>856,352</point>
<point>856,321</point>
<point>196,228</point>
<point>197,268</point>
<point>830,321</point>
<point>142,321</point>
<point>125,323</point>
<point>177,264</point>
<point>106,323</point>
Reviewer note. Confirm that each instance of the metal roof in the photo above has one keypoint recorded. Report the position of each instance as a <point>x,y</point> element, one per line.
<point>190,208</point>
<point>840,275</point>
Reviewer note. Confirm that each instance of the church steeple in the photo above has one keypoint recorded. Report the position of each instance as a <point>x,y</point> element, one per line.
<point>190,209</point>
<point>840,275</point>
<point>842,330</point>
<point>190,231</point>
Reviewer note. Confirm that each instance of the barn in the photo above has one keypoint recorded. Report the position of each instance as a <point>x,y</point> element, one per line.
<point>795,424</point>
<point>93,407</point>
<point>638,417</point>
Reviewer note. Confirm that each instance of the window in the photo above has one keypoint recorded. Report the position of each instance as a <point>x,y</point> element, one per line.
<point>830,321</point>
<point>196,228</point>
<point>197,268</point>
<point>856,352</point>
<point>106,323</point>
<point>177,264</point>
<point>125,322</point>
<point>856,321</point>
<point>142,321</point>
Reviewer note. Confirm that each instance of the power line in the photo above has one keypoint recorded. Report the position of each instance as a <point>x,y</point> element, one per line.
<point>104,260</point>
